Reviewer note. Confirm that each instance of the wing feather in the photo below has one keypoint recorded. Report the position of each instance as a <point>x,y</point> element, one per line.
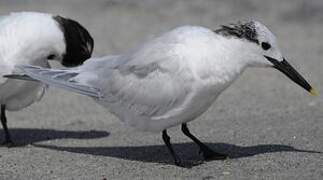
<point>59,78</point>
<point>149,83</point>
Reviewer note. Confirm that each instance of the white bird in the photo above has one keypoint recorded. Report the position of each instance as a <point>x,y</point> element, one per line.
<point>172,79</point>
<point>33,38</point>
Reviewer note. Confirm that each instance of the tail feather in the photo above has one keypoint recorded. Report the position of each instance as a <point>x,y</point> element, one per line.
<point>59,78</point>
<point>20,77</point>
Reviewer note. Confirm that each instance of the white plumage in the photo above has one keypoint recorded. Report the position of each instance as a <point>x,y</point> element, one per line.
<point>25,38</point>
<point>31,38</point>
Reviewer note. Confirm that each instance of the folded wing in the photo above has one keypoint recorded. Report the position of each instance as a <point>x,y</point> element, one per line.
<point>59,78</point>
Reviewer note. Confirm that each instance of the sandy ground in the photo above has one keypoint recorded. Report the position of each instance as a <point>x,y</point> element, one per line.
<point>268,125</point>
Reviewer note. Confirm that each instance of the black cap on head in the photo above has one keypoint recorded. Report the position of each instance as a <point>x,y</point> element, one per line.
<point>79,43</point>
<point>243,30</point>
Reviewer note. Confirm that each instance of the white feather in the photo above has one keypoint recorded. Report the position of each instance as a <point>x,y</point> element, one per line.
<point>25,38</point>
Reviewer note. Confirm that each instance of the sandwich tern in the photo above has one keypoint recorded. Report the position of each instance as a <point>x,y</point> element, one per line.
<point>33,38</point>
<point>172,79</point>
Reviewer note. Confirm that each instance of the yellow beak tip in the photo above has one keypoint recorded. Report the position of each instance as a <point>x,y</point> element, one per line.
<point>314,92</point>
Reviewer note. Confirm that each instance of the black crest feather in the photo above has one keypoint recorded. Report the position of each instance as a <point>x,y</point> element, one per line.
<point>79,43</point>
<point>241,30</point>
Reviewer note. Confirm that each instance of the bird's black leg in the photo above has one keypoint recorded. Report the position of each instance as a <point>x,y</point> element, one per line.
<point>208,153</point>
<point>8,142</point>
<point>166,139</point>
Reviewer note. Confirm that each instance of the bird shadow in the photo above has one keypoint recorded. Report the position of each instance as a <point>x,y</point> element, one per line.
<point>187,151</point>
<point>24,136</point>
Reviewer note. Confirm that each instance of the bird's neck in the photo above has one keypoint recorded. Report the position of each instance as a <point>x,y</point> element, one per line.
<point>224,62</point>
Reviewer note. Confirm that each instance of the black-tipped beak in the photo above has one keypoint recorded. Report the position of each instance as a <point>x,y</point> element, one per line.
<point>289,71</point>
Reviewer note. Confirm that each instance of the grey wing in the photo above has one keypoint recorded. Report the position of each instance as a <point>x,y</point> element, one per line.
<point>82,79</point>
<point>59,78</point>
<point>151,89</point>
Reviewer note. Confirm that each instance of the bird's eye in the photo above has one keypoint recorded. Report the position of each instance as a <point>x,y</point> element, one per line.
<point>51,57</point>
<point>265,46</point>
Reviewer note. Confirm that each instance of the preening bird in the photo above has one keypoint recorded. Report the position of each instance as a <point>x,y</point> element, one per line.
<point>172,79</point>
<point>32,38</point>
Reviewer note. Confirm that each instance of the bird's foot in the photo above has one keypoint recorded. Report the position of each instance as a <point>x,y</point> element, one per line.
<point>8,143</point>
<point>178,162</point>
<point>210,155</point>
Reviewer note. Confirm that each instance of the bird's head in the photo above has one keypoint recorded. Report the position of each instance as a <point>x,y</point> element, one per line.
<point>78,41</point>
<point>34,38</point>
<point>261,49</point>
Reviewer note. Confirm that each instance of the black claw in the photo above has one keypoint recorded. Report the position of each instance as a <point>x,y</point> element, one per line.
<point>214,156</point>
<point>8,143</point>
<point>179,163</point>
<point>166,139</point>
<point>209,154</point>
<point>205,151</point>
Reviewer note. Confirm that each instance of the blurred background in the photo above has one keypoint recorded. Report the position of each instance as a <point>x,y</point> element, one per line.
<point>262,107</point>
